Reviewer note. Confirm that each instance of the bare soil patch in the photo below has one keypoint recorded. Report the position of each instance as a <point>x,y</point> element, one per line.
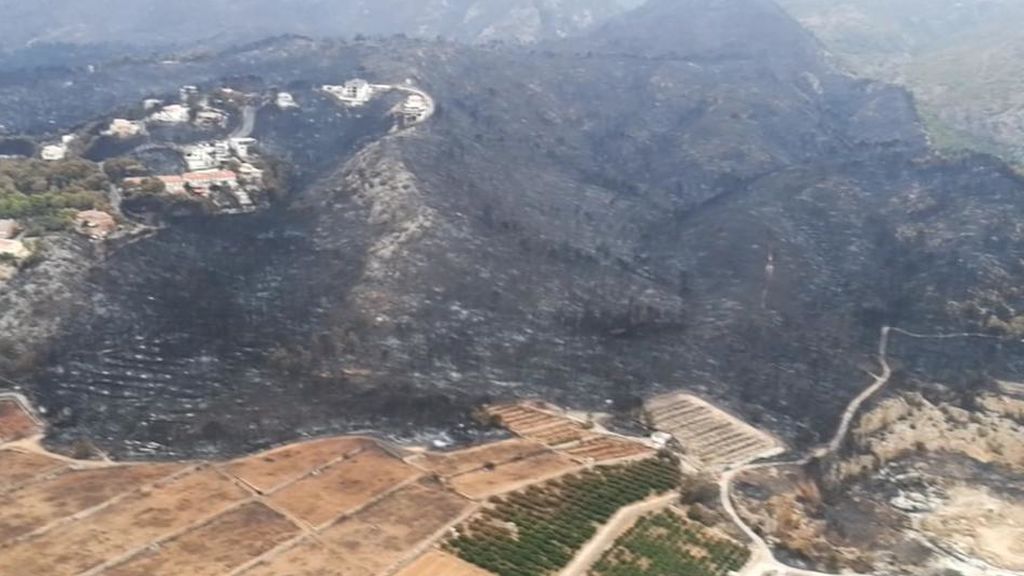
<point>230,540</point>
<point>393,528</point>
<point>984,523</point>
<point>438,563</point>
<point>308,558</point>
<point>127,525</point>
<point>343,486</point>
<point>270,470</point>
<point>487,482</point>
<point>471,459</point>
<point>17,468</point>
<point>15,424</point>
<point>36,505</point>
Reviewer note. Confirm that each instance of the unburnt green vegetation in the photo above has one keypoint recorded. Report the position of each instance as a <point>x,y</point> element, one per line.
<point>539,530</point>
<point>664,544</point>
<point>44,196</point>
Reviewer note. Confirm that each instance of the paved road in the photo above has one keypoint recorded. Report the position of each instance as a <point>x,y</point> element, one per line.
<point>248,124</point>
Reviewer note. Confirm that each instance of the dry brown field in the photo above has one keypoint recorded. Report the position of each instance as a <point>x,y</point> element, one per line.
<point>343,486</point>
<point>36,505</point>
<point>307,558</point>
<point>606,449</point>
<point>487,482</point>
<point>394,528</point>
<point>455,463</point>
<point>17,468</point>
<point>270,470</point>
<point>15,424</point>
<point>438,563</point>
<point>228,541</point>
<point>124,527</point>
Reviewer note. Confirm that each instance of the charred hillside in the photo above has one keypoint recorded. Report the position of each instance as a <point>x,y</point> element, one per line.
<point>659,204</point>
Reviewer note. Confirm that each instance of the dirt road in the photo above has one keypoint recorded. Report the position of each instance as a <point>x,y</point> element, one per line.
<point>619,524</point>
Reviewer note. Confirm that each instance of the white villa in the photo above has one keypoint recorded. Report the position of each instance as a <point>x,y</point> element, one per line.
<point>286,101</point>
<point>121,128</point>
<point>414,108</point>
<point>354,92</point>
<point>173,114</point>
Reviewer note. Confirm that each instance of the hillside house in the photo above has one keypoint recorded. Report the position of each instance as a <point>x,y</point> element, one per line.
<point>54,152</point>
<point>95,224</point>
<point>286,101</point>
<point>211,119</point>
<point>122,128</point>
<point>173,114</point>
<point>354,92</point>
<point>415,108</point>
<point>240,147</point>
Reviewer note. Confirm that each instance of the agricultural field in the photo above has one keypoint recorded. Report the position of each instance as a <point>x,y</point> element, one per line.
<point>18,468</point>
<point>665,544</point>
<point>438,563</point>
<point>569,436</point>
<point>451,464</point>
<point>344,486</point>
<point>538,531</point>
<point>271,470</point>
<point>386,532</point>
<point>503,478</point>
<point>215,548</point>
<point>711,438</point>
<point>40,503</point>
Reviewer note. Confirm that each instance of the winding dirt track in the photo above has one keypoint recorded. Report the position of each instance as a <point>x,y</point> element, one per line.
<point>762,559</point>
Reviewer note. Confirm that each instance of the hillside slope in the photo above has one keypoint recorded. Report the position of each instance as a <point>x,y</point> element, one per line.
<point>651,206</point>
<point>961,59</point>
<point>184,21</point>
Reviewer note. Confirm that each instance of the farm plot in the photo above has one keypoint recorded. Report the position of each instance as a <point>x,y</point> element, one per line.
<point>539,530</point>
<point>124,527</point>
<point>438,563</point>
<point>15,424</point>
<point>489,481</point>
<point>270,470</point>
<point>344,486</point>
<point>566,435</point>
<point>472,459</point>
<point>395,527</point>
<point>713,437</point>
<point>607,449</point>
<point>664,544</point>
<point>32,507</point>
<point>306,558</point>
<point>18,468</point>
<point>536,424</point>
<point>228,541</point>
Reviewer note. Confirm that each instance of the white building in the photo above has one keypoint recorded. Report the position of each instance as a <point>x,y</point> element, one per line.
<point>415,108</point>
<point>286,101</point>
<point>173,114</point>
<point>240,147</point>
<point>54,152</point>
<point>354,93</point>
<point>121,128</point>
<point>211,119</point>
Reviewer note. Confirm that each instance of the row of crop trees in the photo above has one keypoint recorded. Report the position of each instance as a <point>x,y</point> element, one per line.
<point>664,544</point>
<point>538,531</point>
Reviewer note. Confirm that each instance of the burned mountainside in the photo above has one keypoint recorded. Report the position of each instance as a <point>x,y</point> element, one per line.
<point>655,205</point>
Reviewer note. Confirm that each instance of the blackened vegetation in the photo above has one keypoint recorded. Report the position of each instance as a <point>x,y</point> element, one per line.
<point>591,222</point>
